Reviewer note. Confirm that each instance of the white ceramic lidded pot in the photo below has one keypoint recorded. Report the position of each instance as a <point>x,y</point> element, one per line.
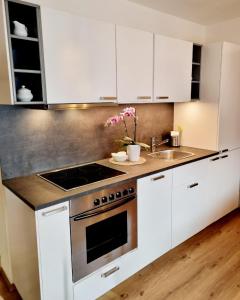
<point>20,29</point>
<point>24,95</point>
<point>133,152</point>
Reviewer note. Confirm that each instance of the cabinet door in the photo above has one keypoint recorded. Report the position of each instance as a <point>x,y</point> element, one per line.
<point>172,69</point>
<point>53,233</point>
<point>188,210</point>
<point>134,65</point>
<point>229,125</point>
<point>80,58</point>
<point>223,184</point>
<point>154,216</point>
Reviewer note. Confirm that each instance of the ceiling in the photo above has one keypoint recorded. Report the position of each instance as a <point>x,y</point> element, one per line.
<point>205,12</point>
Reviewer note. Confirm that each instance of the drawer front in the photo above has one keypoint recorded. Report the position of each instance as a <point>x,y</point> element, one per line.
<point>157,179</point>
<point>190,173</point>
<point>106,278</point>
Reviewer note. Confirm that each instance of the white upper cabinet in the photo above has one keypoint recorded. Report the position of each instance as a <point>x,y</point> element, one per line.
<point>213,123</point>
<point>134,65</point>
<point>229,124</point>
<point>172,69</point>
<point>80,58</point>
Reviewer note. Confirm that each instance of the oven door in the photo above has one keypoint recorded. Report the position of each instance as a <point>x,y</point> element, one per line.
<point>102,235</point>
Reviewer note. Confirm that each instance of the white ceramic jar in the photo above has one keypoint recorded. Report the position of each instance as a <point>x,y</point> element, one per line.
<point>24,94</point>
<point>20,29</point>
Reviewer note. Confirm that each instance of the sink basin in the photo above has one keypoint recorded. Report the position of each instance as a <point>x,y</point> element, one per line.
<point>171,154</point>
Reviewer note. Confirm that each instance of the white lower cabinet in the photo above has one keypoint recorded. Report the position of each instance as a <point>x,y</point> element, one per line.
<point>107,277</point>
<point>154,216</point>
<point>223,184</point>
<point>204,192</point>
<point>173,205</point>
<point>54,251</point>
<point>188,210</point>
<point>189,201</point>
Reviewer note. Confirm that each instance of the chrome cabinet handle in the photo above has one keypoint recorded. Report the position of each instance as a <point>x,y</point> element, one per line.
<point>110,272</point>
<point>193,185</point>
<point>144,97</point>
<point>108,98</point>
<point>214,159</point>
<point>162,97</point>
<point>54,211</point>
<point>158,178</point>
<point>224,156</point>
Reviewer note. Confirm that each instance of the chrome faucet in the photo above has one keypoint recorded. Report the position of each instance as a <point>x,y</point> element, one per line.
<point>156,142</point>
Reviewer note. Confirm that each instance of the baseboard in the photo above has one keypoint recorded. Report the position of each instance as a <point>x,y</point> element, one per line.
<point>10,286</point>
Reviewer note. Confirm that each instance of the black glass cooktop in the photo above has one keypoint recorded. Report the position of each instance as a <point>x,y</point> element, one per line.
<point>71,178</point>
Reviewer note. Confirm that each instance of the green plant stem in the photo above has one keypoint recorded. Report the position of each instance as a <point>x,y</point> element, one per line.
<point>135,129</point>
<point>125,125</point>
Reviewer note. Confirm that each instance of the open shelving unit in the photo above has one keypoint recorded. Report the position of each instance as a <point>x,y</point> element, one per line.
<point>196,72</point>
<point>26,54</point>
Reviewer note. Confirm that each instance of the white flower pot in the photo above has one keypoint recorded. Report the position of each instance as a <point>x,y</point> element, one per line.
<point>133,152</point>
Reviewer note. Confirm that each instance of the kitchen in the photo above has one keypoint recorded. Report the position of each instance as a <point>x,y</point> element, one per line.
<point>66,67</point>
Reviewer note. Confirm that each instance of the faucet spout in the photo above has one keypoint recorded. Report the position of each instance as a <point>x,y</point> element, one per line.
<point>156,143</point>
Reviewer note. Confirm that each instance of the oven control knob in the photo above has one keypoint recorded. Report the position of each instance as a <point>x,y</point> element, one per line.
<point>131,190</point>
<point>96,202</point>
<point>104,199</point>
<point>111,197</point>
<point>118,194</point>
<point>125,192</point>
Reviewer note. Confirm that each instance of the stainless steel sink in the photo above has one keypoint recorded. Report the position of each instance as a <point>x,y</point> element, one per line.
<point>171,154</point>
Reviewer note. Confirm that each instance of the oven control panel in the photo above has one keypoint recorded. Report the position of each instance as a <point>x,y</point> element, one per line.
<point>113,196</point>
<point>103,197</point>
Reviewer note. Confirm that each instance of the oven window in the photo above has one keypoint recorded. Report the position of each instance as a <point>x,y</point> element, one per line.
<point>106,235</point>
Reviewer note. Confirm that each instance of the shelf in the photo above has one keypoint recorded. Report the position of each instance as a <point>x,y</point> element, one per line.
<point>27,71</point>
<point>26,38</point>
<point>31,81</point>
<point>197,53</point>
<point>25,54</point>
<point>196,72</point>
<point>25,14</point>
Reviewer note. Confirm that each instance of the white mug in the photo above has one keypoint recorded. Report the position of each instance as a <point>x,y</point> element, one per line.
<point>133,152</point>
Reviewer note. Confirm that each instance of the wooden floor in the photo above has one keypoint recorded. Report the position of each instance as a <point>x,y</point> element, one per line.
<point>205,267</point>
<point>5,294</point>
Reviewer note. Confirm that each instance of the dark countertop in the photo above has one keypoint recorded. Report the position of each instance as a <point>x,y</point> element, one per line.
<point>38,193</point>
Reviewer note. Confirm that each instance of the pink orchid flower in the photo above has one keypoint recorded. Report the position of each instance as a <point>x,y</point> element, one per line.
<point>113,120</point>
<point>128,112</point>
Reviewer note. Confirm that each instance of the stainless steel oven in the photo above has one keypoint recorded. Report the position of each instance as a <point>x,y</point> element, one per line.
<point>103,227</point>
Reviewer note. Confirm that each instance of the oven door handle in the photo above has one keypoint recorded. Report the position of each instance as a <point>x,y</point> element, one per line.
<point>103,209</point>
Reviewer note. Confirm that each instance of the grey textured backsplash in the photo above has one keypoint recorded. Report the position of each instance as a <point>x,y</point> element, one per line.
<point>36,140</point>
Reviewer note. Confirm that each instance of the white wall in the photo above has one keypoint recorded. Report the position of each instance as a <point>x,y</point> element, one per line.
<point>130,14</point>
<point>225,31</point>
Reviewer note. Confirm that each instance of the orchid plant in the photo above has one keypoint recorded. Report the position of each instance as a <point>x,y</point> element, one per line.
<point>128,112</point>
